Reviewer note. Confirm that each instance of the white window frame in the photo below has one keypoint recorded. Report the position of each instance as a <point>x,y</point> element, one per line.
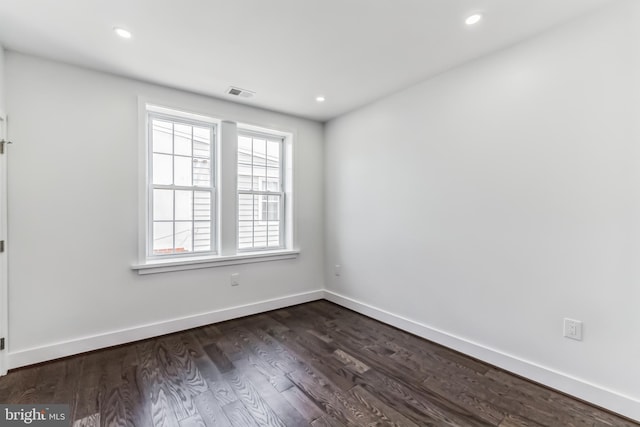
<point>179,117</point>
<point>283,203</point>
<point>224,219</point>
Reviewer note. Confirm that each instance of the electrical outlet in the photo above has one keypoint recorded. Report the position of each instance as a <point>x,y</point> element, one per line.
<point>573,329</point>
<point>337,269</point>
<point>235,279</point>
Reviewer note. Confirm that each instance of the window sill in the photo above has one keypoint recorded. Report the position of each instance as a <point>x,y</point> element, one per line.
<point>165,266</point>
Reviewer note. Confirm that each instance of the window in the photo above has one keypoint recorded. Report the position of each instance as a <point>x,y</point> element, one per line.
<point>260,191</point>
<point>212,192</point>
<point>181,190</point>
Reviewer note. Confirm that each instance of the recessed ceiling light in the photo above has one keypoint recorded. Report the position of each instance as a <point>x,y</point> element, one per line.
<point>320,98</point>
<point>473,19</point>
<point>125,34</point>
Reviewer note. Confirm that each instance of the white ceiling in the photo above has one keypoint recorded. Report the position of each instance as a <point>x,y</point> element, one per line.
<point>287,51</point>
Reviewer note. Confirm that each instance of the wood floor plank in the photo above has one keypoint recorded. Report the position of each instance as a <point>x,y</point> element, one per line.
<point>287,360</point>
<point>260,357</point>
<point>272,394</point>
<point>471,394</point>
<point>301,402</point>
<point>320,392</point>
<point>68,379</point>
<point>86,399</point>
<point>314,364</point>
<point>327,421</point>
<point>177,391</point>
<point>320,336</point>
<point>183,352</point>
<point>228,344</point>
<point>253,401</point>
<point>516,421</point>
<point>112,392</point>
<point>219,358</point>
<point>238,415</point>
<point>383,364</point>
<point>136,412</point>
<point>359,366</point>
<point>385,414</point>
<point>319,358</point>
<point>421,403</point>
<point>112,408</point>
<point>222,391</point>
<point>210,411</point>
<point>162,412</point>
<point>88,421</point>
<point>150,377</point>
<point>192,421</point>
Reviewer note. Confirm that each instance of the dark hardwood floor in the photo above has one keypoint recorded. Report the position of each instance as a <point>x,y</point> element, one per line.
<point>314,364</point>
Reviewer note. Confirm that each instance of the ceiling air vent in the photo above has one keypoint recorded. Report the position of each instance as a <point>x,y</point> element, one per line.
<point>242,93</point>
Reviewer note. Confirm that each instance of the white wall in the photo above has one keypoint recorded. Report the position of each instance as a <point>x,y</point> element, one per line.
<point>494,200</point>
<point>2,90</point>
<point>75,158</point>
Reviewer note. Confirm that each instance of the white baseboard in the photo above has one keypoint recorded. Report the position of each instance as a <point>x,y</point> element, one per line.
<point>95,342</point>
<point>597,395</point>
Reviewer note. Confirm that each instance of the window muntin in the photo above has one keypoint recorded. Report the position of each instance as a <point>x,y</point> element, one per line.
<point>260,191</point>
<point>181,190</point>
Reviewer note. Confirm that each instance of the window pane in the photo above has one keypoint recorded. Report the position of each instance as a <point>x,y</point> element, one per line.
<point>259,227</point>
<point>244,177</point>
<point>273,184</point>
<point>201,172</point>
<point>260,234</point>
<point>259,151</point>
<point>257,200</point>
<point>182,171</point>
<point>259,178</point>
<point>184,205</point>
<point>274,208</point>
<point>162,205</point>
<point>202,142</point>
<point>273,153</point>
<point>162,169</point>
<point>244,145</point>
<point>274,234</point>
<point>264,208</point>
<point>202,205</point>
<point>162,238</point>
<point>182,139</point>
<point>202,236</point>
<point>162,136</point>
<point>245,234</point>
<point>184,237</point>
<point>245,207</point>
<point>273,179</point>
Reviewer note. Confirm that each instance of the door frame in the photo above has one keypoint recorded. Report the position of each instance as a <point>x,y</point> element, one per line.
<point>4,277</point>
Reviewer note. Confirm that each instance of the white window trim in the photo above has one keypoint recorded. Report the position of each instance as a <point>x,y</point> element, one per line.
<point>168,265</point>
<point>226,239</point>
